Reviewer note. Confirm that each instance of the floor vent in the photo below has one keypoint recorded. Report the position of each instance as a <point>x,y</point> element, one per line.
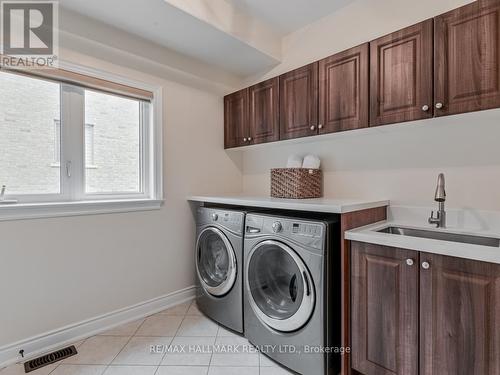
<point>48,359</point>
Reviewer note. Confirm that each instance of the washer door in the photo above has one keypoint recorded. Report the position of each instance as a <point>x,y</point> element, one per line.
<point>279,286</point>
<point>215,262</point>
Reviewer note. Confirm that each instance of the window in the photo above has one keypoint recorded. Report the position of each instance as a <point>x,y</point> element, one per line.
<point>61,141</point>
<point>27,139</point>
<point>113,143</point>
<point>89,145</point>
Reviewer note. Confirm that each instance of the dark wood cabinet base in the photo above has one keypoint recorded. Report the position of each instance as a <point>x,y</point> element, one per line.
<point>420,313</point>
<point>459,316</point>
<point>349,221</point>
<point>384,318</point>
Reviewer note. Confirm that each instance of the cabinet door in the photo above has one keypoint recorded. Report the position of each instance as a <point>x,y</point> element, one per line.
<point>264,111</point>
<point>236,131</point>
<point>467,58</point>
<point>460,317</point>
<point>384,317</point>
<point>299,102</point>
<point>401,75</point>
<point>343,90</point>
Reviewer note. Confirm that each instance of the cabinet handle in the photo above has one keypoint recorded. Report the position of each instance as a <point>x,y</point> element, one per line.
<point>320,126</point>
<point>425,108</point>
<point>244,139</point>
<point>313,127</point>
<point>439,105</point>
<point>426,265</point>
<point>249,139</point>
<point>409,262</point>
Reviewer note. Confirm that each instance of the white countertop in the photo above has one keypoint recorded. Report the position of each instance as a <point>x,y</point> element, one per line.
<point>335,206</point>
<point>468,222</point>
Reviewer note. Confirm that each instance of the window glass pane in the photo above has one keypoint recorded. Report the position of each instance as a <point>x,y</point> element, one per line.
<point>29,136</point>
<point>112,144</point>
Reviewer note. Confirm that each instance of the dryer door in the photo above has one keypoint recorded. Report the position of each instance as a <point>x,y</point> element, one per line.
<point>215,262</point>
<point>279,286</point>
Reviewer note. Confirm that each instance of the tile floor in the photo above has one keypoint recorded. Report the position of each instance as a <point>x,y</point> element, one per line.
<point>125,350</point>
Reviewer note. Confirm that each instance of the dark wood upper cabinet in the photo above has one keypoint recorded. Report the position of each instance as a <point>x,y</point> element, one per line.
<point>264,111</point>
<point>467,58</point>
<point>343,90</point>
<point>236,129</point>
<point>299,102</point>
<point>460,317</point>
<point>401,84</point>
<point>384,295</point>
<point>442,66</point>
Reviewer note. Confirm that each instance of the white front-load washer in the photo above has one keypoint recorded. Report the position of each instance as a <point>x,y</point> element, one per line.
<point>292,291</point>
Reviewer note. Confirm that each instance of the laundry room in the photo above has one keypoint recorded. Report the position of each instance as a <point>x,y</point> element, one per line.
<point>251,187</point>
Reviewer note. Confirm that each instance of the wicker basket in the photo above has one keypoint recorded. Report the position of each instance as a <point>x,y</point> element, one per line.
<point>296,183</point>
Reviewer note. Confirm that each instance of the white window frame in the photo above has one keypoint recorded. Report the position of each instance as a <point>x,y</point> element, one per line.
<point>92,145</point>
<point>57,143</point>
<point>72,199</point>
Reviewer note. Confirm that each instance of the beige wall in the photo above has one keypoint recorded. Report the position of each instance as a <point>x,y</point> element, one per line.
<point>397,162</point>
<point>54,272</point>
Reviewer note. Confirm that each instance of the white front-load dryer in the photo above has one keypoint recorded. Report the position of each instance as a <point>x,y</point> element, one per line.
<point>219,262</point>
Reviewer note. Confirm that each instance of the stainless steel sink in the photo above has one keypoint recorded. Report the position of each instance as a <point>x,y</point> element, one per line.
<point>443,236</point>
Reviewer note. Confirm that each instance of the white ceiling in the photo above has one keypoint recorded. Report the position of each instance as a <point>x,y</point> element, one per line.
<point>287,16</point>
<point>242,37</point>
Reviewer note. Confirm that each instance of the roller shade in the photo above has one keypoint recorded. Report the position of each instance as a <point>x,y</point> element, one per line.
<point>66,76</point>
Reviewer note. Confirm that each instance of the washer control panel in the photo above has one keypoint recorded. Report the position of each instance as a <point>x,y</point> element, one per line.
<point>312,230</point>
<point>302,231</point>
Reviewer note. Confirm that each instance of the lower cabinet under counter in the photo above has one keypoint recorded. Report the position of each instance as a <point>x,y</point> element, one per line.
<point>420,313</point>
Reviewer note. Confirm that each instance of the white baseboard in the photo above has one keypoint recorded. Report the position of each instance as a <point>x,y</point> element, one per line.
<point>47,342</point>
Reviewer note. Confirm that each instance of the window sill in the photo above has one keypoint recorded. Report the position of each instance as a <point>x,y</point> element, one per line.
<point>19,211</point>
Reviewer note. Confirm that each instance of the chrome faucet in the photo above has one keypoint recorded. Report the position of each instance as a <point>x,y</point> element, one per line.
<point>439,197</point>
<point>2,193</point>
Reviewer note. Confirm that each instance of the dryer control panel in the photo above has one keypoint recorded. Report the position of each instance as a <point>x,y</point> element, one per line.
<point>231,220</point>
